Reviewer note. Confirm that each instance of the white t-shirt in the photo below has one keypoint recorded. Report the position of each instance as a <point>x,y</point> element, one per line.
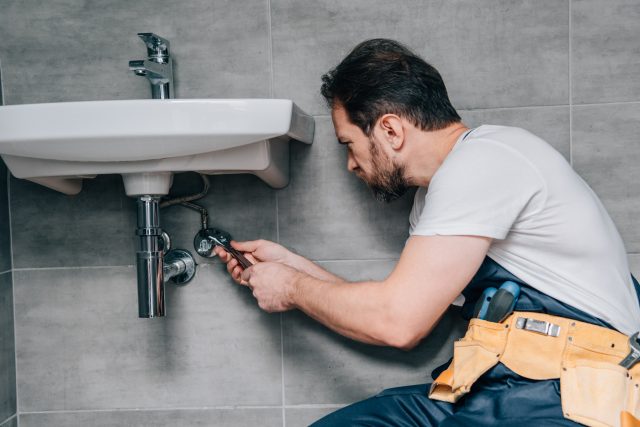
<point>549,227</point>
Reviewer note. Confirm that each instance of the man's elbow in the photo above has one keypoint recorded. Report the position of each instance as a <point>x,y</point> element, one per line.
<point>405,338</point>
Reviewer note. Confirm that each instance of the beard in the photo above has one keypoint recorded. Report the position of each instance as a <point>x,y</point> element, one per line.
<point>387,181</point>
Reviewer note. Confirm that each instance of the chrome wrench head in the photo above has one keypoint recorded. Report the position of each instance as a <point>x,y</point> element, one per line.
<point>207,239</point>
<point>634,353</point>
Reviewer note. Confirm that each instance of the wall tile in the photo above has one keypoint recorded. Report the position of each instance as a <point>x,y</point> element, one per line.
<point>81,345</point>
<point>1,96</point>
<point>194,418</point>
<point>549,123</point>
<point>299,417</point>
<point>634,265</point>
<point>74,50</point>
<point>7,350</point>
<point>324,367</point>
<point>242,205</point>
<point>5,234</point>
<point>606,153</point>
<point>490,53</point>
<point>605,51</point>
<point>95,228</point>
<point>328,213</point>
<point>13,422</point>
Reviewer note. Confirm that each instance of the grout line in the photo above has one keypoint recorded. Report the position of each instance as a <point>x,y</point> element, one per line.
<point>318,405</point>
<point>98,267</point>
<point>195,408</point>
<point>597,104</point>
<point>8,271</point>
<point>270,48</point>
<point>514,107</point>
<point>86,267</point>
<point>13,297</point>
<point>1,87</point>
<point>284,416</point>
<point>357,260</point>
<point>570,93</point>
<point>277,217</point>
<point>9,419</point>
<point>570,105</point>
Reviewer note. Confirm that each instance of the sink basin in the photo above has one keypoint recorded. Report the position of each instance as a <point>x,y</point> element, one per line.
<point>59,144</point>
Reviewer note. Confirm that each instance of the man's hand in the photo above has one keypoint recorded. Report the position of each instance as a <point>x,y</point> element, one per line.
<point>255,251</point>
<point>273,285</point>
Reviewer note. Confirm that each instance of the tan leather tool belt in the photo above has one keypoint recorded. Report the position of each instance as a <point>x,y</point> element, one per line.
<point>595,390</point>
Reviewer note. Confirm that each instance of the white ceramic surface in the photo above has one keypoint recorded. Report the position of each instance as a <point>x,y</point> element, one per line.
<point>58,144</point>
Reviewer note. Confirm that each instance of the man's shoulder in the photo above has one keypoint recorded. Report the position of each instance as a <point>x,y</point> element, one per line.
<point>499,136</point>
<point>490,145</point>
<point>494,146</point>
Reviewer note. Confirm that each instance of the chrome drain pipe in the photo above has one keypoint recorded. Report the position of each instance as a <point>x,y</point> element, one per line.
<point>154,262</point>
<point>149,258</point>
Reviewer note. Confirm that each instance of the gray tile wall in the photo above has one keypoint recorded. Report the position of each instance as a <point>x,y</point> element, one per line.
<point>11,422</point>
<point>564,69</point>
<point>7,342</point>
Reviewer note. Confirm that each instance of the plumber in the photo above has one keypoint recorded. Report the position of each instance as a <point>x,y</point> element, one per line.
<point>494,204</point>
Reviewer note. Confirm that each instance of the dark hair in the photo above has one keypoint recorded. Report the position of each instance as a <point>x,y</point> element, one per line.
<point>382,76</point>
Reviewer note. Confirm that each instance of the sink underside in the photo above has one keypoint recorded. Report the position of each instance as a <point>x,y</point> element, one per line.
<point>58,144</point>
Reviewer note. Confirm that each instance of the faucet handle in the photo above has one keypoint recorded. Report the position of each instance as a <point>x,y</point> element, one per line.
<point>157,47</point>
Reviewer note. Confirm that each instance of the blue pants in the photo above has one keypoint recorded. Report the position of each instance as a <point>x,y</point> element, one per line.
<point>499,398</point>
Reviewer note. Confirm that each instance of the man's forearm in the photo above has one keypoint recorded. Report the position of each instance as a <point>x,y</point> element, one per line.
<point>312,269</point>
<point>358,310</point>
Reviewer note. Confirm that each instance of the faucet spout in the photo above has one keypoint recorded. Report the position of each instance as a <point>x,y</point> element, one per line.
<point>157,68</point>
<point>160,76</point>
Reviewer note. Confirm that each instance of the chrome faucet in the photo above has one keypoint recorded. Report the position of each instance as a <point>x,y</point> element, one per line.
<point>157,68</point>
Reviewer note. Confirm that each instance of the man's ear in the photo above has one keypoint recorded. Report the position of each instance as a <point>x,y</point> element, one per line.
<point>392,130</point>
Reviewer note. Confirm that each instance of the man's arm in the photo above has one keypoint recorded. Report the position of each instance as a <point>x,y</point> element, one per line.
<point>405,307</point>
<point>312,269</point>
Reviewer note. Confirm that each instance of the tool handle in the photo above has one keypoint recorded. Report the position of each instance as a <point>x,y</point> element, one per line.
<point>244,262</point>
<point>480,309</point>
<point>503,302</point>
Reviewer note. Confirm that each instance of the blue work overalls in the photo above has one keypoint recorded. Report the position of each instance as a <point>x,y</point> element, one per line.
<point>499,398</point>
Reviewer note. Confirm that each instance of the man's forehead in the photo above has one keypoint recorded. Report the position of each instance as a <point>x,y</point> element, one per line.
<point>340,120</point>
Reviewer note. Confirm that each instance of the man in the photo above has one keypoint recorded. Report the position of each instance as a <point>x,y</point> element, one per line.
<point>494,204</point>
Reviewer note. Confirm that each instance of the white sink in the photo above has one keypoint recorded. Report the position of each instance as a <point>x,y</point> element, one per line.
<point>145,141</point>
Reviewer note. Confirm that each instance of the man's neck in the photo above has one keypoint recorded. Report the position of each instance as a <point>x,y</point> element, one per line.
<point>432,149</point>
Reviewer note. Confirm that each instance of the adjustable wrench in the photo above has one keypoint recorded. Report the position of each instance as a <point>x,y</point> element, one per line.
<point>634,355</point>
<point>206,239</point>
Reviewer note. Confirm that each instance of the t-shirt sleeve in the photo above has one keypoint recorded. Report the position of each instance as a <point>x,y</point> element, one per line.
<point>483,188</point>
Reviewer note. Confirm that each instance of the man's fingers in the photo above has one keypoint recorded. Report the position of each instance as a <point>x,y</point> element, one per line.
<point>236,273</point>
<point>246,274</point>
<point>248,246</point>
<point>231,265</point>
<point>222,254</point>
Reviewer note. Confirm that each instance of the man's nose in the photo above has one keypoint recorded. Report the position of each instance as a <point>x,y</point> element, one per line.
<point>351,163</point>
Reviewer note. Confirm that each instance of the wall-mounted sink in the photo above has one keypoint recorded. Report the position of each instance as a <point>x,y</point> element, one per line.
<point>146,141</point>
<point>59,144</point>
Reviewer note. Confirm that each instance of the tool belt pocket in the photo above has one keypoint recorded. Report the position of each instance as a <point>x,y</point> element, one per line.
<point>473,355</point>
<point>593,393</point>
<point>595,390</point>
